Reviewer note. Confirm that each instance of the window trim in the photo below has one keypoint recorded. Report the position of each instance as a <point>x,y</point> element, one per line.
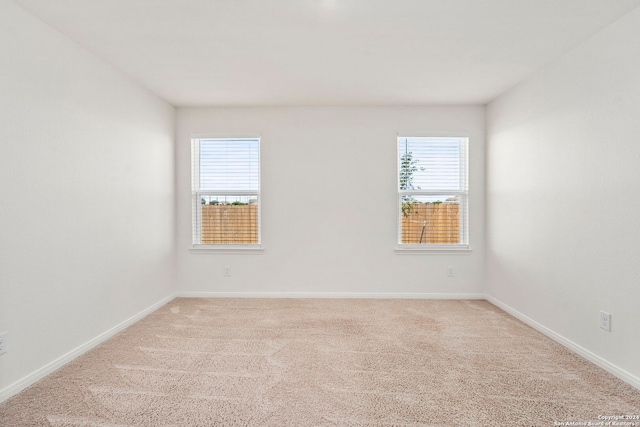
<point>227,249</point>
<point>196,193</point>
<point>426,248</point>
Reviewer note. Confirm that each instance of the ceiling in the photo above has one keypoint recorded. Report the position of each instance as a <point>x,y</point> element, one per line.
<point>328,52</point>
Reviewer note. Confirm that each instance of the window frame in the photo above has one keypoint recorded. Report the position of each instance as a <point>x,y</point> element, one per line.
<point>197,193</point>
<point>463,193</point>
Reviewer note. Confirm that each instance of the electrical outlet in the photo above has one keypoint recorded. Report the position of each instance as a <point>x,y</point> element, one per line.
<point>227,271</point>
<point>3,343</point>
<point>450,271</point>
<point>605,321</point>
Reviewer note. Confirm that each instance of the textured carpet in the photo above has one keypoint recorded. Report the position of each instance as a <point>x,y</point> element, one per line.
<point>314,362</point>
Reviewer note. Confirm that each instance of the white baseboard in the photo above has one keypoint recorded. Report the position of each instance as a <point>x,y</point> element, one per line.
<point>363,295</point>
<point>37,375</point>
<point>591,357</point>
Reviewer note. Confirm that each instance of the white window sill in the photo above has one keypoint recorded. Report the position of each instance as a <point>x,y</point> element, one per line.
<point>433,249</point>
<point>227,249</point>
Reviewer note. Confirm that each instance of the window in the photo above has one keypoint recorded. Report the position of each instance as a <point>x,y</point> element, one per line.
<point>432,193</point>
<point>226,192</point>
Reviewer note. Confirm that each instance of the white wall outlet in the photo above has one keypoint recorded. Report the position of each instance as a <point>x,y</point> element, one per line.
<point>227,271</point>
<point>3,343</point>
<point>450,271</point>
<point>605,321</point>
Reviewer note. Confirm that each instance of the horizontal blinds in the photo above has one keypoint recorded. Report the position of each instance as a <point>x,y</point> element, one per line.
<point>432,164</point>
<point>229,164</point>
<point>226,191</point>
<point>433,184</point>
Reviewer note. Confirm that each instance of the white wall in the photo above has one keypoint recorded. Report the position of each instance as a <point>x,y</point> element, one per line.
<point>87,196</point>
<point>329,202</point>
<point>563,197</point>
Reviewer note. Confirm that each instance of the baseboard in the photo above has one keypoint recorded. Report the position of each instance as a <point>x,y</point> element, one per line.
<point>591,357</point>
<point>37,375</point>
<point>333,295</point>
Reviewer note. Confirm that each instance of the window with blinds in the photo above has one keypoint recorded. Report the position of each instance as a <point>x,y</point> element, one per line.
<point>433,192</point>
<point>226,191</point>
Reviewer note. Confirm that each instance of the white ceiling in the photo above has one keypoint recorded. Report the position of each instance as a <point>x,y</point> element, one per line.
<point>328,52</point>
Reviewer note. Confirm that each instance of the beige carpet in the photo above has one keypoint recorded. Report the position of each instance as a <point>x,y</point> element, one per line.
<point>254,362</point>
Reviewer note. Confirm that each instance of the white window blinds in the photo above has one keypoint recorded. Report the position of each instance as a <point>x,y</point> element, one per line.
<point>226,191</point>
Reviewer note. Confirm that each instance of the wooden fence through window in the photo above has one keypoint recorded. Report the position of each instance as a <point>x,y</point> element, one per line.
<point>429,223</point>
<point>425,223</point>
<point>229,225</point>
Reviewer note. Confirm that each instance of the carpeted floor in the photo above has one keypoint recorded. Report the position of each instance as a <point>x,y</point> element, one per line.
<point>315,362</point>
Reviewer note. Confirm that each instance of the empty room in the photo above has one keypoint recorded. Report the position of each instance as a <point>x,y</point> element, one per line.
<point>319,213</point>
